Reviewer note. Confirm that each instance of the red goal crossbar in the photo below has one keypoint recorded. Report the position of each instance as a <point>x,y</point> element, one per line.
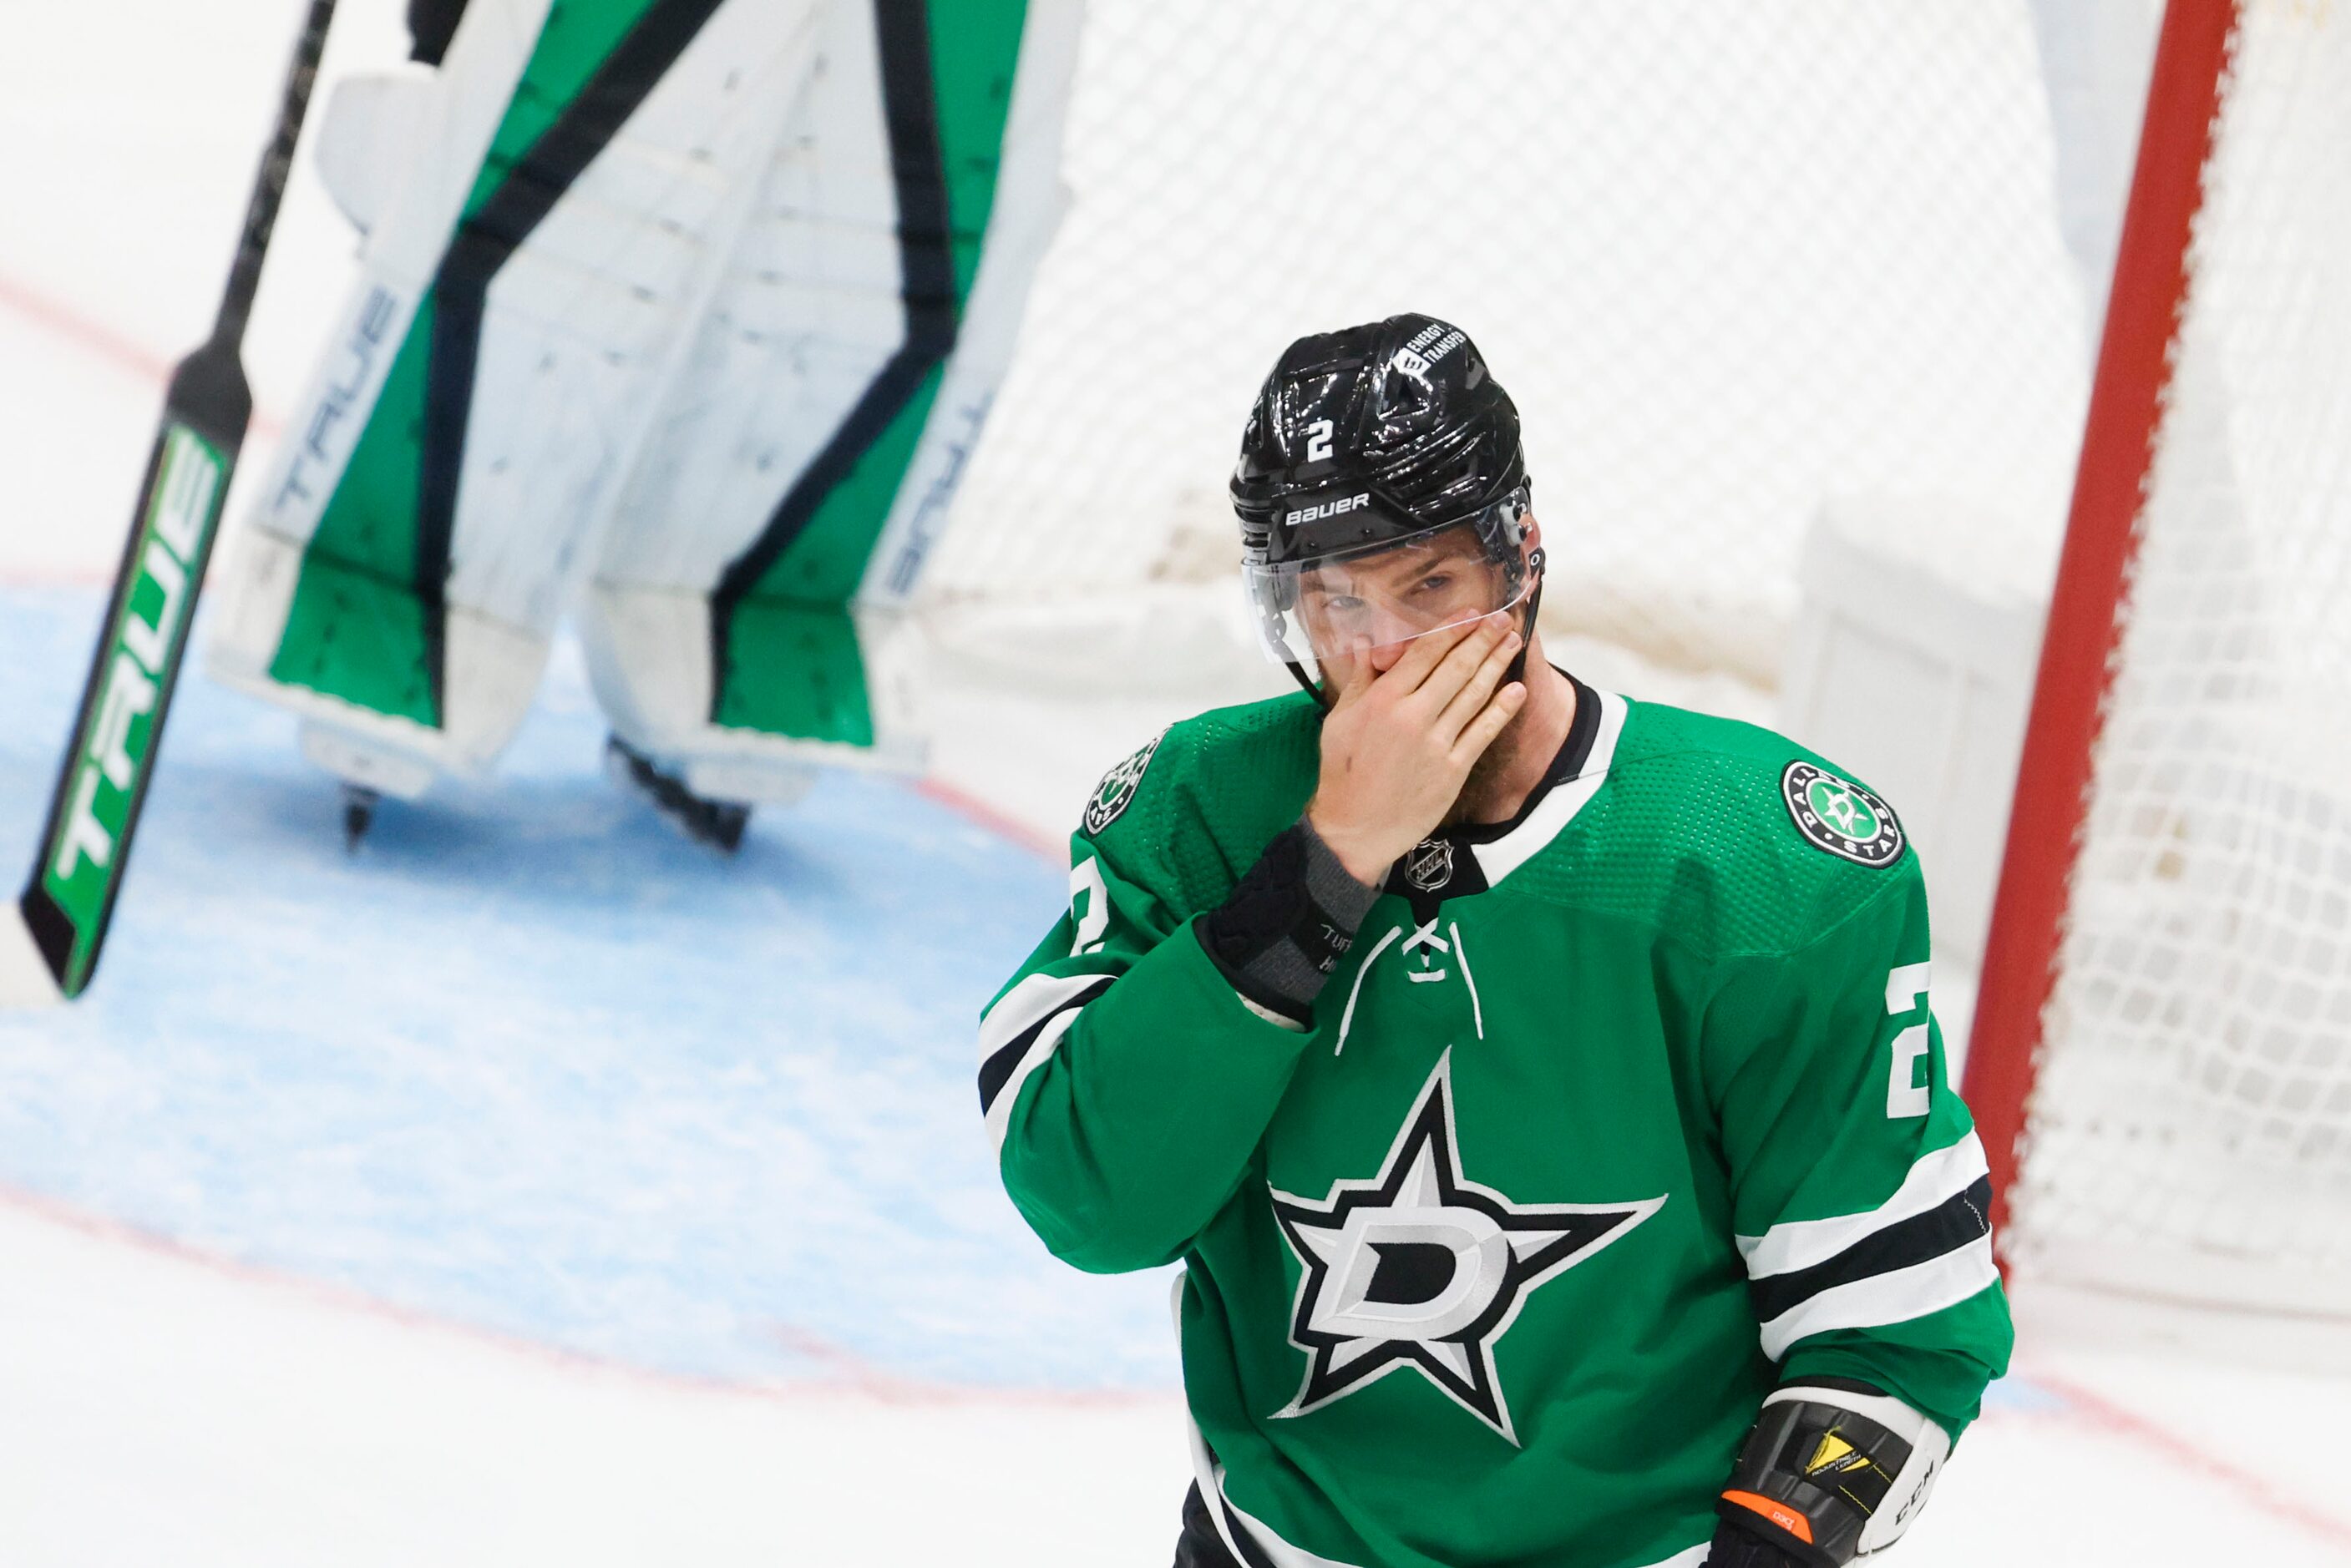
<point>2127,397</point>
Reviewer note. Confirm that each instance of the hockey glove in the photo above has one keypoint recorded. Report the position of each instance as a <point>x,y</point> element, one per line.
<point>1734,1548</point>
<point>1831,1470</point>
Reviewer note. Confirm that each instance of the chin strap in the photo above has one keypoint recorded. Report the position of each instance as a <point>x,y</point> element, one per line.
<point>1518,669</point>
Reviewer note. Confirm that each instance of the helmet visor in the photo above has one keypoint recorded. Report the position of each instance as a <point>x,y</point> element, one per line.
<point>1350,602</point>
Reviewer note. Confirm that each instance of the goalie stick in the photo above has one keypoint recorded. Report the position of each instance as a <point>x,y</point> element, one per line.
<point>67,902</point>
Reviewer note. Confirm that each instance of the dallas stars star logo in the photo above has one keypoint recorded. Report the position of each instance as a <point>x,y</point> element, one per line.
<point>1421,1267</point>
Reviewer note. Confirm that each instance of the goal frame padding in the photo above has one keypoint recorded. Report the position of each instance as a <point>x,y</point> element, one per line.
<point>2144,312</point>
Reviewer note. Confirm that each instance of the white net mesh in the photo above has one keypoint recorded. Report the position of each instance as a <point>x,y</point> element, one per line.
<point>2190,1131</point>
<point>1734,262</point>
<point>1729,260</point>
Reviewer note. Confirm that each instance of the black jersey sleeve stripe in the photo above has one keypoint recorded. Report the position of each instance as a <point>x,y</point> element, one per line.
<point>998,1070</point>
<point>1959,1220</point>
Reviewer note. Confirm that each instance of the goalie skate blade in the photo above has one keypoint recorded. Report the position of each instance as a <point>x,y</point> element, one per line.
<point>717,823</point>
<point>359,815</point>
<point>24,977</point>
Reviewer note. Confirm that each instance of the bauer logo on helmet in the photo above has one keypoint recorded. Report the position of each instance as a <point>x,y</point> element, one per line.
<point>1323,509</point>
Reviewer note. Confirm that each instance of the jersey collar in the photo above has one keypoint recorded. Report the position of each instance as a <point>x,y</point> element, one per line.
<point>1436,868</point>
<point>1575,778</point>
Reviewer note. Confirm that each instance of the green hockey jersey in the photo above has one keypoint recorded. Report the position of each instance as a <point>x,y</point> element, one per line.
<point>1614,1116</point>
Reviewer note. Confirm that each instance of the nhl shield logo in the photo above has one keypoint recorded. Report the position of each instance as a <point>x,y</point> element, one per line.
<point>1429,865</point>
<point>1840,817</point>
<point>1117,788</point>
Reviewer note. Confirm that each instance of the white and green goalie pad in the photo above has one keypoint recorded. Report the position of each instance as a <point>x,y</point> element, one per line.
<point>683,314</point>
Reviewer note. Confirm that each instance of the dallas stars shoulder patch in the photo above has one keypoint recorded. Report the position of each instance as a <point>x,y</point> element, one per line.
<point>1840,817</point>
<point>1117,791</point>
<point>1421,1267</point>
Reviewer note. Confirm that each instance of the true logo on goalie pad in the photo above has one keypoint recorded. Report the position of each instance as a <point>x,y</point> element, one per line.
<point>1840,817</point>
<point>1117,791</point>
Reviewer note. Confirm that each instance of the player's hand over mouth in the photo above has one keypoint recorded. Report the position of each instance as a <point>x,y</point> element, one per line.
<point>1398,744</point>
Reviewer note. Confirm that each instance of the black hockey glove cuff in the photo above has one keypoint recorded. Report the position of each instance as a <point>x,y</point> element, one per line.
<point>1831,1470</point>
<point>1286,924</point>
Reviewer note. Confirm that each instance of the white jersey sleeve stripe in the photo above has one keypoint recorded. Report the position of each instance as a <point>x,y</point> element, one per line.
<point>1028,1004</point>
<point>1934,1180</point>
<point>1039,1051</point>
<point>1889,1298</point>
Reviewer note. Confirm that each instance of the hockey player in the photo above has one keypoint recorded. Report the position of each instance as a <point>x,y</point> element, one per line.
<point>1539,1086</point>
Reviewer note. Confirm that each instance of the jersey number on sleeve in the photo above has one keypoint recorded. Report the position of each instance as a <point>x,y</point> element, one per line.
<point>1906,992</point>
<point>1089,905</point>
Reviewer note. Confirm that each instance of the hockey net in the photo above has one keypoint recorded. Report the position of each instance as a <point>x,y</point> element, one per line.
<point>1817,252</point>
<point>2188,1125</point>
<point>1737,265</point>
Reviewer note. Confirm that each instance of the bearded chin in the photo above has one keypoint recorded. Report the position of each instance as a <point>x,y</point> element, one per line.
<point>1489,766</point>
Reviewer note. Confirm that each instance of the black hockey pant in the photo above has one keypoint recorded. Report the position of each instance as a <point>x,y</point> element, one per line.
<point>1200,1546</point>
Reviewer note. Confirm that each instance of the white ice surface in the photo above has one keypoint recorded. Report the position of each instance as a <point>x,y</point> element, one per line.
<point>157,1409</point>
<point>162,1409</point>
<point>161,1405</point>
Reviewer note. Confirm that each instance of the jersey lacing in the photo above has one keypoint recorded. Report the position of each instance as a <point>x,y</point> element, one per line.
<point>1424,939</point>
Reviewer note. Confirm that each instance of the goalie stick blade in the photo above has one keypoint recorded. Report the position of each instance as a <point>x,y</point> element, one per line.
<point>102,786</point>
<point>69,901</point>
<point>24,977</point>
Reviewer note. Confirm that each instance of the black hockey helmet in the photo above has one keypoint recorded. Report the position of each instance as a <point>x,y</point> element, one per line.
<point>1366,444</point>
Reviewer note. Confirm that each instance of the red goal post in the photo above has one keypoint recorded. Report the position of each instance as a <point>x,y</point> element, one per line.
<point>2053,788</point>
<point>2160,1062</point>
